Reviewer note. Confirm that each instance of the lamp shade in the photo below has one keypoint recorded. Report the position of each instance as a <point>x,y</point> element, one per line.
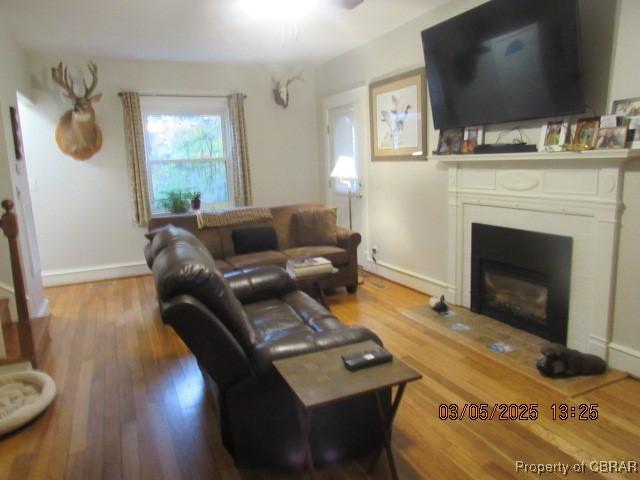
<point>345,168</point>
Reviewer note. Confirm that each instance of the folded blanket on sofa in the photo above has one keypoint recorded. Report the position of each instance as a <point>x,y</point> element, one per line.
<point>235,216</point>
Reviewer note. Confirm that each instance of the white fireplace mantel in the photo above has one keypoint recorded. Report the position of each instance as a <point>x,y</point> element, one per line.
<point>611,156</point>
<point>575,194</point>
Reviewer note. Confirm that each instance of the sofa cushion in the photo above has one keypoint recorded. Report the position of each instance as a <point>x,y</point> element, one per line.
<point>317,317</point>
<point>260,283</point>
<point>274,320</point>
<point>254,239</point>
<point>223,267</point>
<point>264,354</point>
<point>338,256</point>
<point>283,222</point>
<point>249,260</point>
<point>316,227</point>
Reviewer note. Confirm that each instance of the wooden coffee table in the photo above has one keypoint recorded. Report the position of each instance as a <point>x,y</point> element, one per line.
<point>338,384</point>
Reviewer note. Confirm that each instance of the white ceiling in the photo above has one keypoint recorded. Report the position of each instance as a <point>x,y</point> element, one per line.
<point>198,30</point>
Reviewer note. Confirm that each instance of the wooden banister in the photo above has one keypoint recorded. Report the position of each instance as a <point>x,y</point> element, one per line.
<point>9,225</point>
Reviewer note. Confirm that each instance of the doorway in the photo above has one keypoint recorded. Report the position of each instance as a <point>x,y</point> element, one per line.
<point>345,123</point>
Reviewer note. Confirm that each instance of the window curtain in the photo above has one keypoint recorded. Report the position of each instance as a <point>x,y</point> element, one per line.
<point>136,159</point>
<point>239,152</point>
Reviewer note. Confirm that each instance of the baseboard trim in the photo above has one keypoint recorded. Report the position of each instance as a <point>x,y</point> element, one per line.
<point>597,345</point>
<point>403,276</point>
<point>52,278</point>
<point>7,288</point>
<point>624,358</point>
<point>42,310</point>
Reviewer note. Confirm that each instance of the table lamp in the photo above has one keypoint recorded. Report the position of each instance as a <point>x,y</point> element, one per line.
<point>345,172</point>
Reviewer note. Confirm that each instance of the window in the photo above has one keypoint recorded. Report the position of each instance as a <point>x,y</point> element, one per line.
<point>187,149</point>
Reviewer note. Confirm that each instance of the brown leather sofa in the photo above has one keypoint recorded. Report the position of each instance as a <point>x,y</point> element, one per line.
<point>236,325</point>
<point>343,255</point>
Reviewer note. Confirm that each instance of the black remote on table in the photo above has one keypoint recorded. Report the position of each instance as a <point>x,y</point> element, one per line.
<point>368,358</point>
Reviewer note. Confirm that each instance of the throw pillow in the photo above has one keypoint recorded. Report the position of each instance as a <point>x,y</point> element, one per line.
<point>254,239</point>
<point>316,227</point>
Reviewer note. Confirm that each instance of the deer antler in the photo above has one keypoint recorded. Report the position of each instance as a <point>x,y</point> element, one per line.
<point>292,79</point>
<point>62,78</point>
<point>93,69</point>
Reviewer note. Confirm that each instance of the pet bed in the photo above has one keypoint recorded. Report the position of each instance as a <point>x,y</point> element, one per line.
<point>23,396</point>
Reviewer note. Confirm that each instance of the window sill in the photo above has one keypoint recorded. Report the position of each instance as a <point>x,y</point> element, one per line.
<point>208,207</point>
<point>190,213</point>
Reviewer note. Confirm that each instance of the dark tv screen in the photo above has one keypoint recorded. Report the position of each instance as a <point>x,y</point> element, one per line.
<point>504,61</point>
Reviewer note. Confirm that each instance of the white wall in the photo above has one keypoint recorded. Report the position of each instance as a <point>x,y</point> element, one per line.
<point>14,78</point>
<point>624,84</point>
<point>82,209</point>
<point>408,201</point>
<point>9,81</point>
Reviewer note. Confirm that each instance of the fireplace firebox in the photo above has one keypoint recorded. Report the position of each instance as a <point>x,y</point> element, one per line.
<point>522,278</point>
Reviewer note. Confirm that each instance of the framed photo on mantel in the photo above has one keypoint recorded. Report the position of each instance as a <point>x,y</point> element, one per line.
<point>398,117</point>
<point>450,142</point>
<point>629,109</point>
<point>553,135</point>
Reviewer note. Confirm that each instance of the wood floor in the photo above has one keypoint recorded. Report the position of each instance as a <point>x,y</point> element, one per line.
<point>132,402</point>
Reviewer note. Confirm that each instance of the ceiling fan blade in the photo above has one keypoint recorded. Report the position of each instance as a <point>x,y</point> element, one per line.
<point>348,4</point>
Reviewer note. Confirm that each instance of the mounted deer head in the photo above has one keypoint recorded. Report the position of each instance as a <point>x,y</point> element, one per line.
<point>281,90</point>
<point>77,133</point>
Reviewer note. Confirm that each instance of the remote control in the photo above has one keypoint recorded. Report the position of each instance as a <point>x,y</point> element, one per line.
<point>368,358</point>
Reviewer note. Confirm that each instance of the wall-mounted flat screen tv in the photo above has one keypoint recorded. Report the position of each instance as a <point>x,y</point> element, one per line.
<point>505,61</point>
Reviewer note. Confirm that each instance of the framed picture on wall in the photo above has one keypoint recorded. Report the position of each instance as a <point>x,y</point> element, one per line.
<point>17,133</point>
<point>398,117</point>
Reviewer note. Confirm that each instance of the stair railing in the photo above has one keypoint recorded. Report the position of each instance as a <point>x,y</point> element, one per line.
<point>9,225</point>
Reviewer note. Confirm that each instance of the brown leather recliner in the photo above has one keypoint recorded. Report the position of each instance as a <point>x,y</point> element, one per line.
<point>236,326</point>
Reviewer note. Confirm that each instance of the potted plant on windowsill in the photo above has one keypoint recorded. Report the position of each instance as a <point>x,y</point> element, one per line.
<point>195,200</point>
<point>176,201</point>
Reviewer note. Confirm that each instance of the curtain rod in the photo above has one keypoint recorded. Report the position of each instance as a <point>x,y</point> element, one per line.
<point>181,96</point>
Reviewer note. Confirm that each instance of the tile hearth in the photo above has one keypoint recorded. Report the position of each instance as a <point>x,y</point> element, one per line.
<point>484,331</point>
<point>522,347</point>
